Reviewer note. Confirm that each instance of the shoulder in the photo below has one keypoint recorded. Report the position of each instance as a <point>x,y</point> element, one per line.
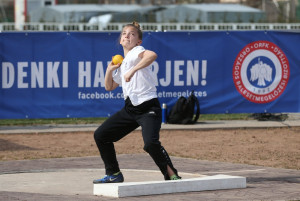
<point>138,49</point>
<point>135,52</point>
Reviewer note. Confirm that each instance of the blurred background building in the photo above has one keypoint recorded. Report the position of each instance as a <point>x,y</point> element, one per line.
<point>181,13</point>
<point>153,11</point>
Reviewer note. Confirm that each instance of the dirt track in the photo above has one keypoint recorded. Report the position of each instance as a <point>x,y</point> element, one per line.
<point>278,147</point>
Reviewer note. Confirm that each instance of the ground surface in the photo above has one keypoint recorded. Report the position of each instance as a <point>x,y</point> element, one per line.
<point>278,147</point>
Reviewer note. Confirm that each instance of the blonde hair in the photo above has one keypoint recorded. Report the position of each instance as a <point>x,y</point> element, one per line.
<point>138,28</point>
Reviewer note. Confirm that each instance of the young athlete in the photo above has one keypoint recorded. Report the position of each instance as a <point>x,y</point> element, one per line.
<point>142,107</point>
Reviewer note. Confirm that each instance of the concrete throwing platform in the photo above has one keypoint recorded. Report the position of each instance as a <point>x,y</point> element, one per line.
<point>137,182</point>
<point>70,181</point>
<point>127,189</point>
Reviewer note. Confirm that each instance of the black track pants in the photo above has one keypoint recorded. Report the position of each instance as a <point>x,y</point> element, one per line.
<point>148,116</point>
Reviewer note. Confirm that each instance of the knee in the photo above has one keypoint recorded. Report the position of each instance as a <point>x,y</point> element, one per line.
<point>98,135</point>
<point>152,147</point>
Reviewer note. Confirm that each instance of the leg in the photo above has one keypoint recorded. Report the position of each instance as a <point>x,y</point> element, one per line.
<point>151,124</point>
<point>112,130</point>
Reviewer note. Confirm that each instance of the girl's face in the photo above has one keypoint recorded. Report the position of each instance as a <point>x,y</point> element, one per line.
<point>130,38</point>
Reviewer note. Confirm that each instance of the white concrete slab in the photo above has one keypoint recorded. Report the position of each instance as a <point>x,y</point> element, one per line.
<point>70,181</point>
<point>216,182</point>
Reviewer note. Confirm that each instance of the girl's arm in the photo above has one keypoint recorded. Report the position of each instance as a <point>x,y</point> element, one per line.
<point>147,58</point>
<point>110,84</point>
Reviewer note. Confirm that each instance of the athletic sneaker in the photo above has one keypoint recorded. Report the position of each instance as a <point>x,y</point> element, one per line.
<point>115,178</point>
<point>175,177</point>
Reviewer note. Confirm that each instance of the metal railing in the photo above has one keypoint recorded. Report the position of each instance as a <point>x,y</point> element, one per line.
<point>150,26</point>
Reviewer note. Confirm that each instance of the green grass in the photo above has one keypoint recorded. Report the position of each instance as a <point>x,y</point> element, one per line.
<point>24,122</point>
<point>225,117</point>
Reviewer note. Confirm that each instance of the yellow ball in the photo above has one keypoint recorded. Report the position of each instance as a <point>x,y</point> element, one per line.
<point>117,59</point>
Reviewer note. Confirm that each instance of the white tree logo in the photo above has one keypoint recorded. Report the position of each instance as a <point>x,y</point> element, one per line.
<point>261,72</point>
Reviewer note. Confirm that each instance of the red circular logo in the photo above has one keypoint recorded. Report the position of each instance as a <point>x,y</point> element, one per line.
<point>261,72</point>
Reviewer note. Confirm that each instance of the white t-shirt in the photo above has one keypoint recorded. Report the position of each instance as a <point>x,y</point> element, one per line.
<point>141,87</point>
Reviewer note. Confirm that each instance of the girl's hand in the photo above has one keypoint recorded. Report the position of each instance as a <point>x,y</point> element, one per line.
<point>129,75</point>
<point>110,84</point>
<point>112,66</point>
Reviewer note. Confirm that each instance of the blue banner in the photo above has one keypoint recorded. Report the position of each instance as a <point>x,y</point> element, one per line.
<point>61,74</point>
